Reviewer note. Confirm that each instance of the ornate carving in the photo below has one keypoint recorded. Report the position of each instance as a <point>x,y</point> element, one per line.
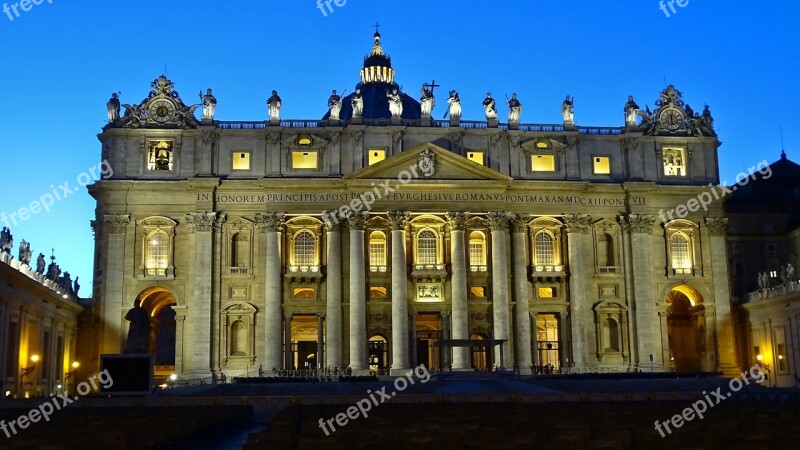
<point>378,317</point>
<point>117,223</point>
<point>162,108</point>
<point>494,138</point>
<point>210,137</point>
<point>356,221</point>
<point>717,226</point>
<point>637,223</point>
<point>519,223</point>
<point>273,138</point>
<point>203,222</point>
<point>269,222</point>
<point>334,138</point>
<point>397,137</point>
<point>428,163</point>
<point>456,138</point>
<point>446,314</point>
<point>398,219</point>
<point>357,135</point>
<point>498,221</point>
<point>331,227</point>
<point>479,317</point>
<point>577,223</point>
<point>457,220</point>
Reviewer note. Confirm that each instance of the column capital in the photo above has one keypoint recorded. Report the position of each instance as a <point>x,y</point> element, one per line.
<point>498,221</point>
<point>117,223</point>
<point>637,223</point>
<point>204,221</point>
<point>533,314</point>
<point>519,223</point>
<point>356,221</point>
<point>321,316</point>
<point>398,219</point>
<point>269,222</point>
<point>333,227</point>
<point>446,314</point>
<point>288,316</point>
<point>457,220</point>
<point>577,223</point>
<point>717,226</point>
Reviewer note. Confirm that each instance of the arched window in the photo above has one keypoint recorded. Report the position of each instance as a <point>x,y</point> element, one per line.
<point>544,254</point>
<point>426,248</point>
<point>605,250</point>
<point>680,252</point>
<point>157,253</point>
<point>240,251</point>
<point>239,345</point>
<point>477,251</point>
<point>377,252</point>
<point>611,335</point>
<point>304,249</point>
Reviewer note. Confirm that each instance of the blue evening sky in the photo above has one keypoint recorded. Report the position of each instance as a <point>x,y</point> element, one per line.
<point>61,61</point>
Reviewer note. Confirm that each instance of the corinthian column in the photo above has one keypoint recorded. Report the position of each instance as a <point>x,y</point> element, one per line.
<point>114,227</point>
<point>647,331</point>
<point>269,225</point>
<point>400,363</point>
<point>198,359</point>
<point>726,357</point>
<point>522,309</point>
<point>358,296</point>
<point>334,294</point>
<point>500,313</point>
<point>458,283</point>
<point>580,299</point>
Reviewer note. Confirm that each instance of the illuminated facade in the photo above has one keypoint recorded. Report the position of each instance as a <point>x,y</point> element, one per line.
<point>237,238</point>
<point>38,333</point>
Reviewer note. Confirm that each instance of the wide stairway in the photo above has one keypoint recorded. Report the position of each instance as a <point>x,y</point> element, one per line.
<point>732,425</point>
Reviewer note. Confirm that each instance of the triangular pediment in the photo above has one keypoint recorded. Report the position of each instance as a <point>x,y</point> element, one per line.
<point>430,162</point>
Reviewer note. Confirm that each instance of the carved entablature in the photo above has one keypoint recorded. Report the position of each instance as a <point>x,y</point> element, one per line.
<point>398,220</point>
<point>163,108</point>
<point>270,222</point>
<point>577,223</point>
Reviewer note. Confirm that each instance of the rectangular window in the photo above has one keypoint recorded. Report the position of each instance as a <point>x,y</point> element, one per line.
<point>543,163</point>
<point>377,254</point>
<point>546,292</point>
<point>240,160</point>
<point>305,160</point>
<point>478,291</point>
<point>160,155</point>
<point>782,365</point>
<point>602,165</point>
<point>476,254</point>
<point>476,157</point>
<point>674,162</point>
<point>376,156</point>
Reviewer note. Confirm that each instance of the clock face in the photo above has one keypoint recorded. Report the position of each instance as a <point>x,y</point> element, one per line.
<point>672,119</point>
<point>162,111</point>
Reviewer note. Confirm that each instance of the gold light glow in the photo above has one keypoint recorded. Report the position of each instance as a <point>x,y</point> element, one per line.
<point>543,163</point>
<point>35,358</point>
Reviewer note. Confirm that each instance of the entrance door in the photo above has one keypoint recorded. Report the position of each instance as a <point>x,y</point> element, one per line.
<point>306,356</point>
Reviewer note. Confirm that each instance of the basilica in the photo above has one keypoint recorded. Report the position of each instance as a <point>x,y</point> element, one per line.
<point>378,238</point>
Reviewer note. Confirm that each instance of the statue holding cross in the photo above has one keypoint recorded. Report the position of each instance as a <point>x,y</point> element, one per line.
<point>427,100</point>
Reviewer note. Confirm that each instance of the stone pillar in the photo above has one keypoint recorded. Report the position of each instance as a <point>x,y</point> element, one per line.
<point>412,338</point>
<point>320,341</point>
<point>580,298</point>
<point>180,340</point>
<point>458,283</point>
<point>358,297</point>
<point>269,226</point>
<point>4,320</point>
<point>722,320</point>
<point>334,294</point>
<point>288,361</point>
<point>638,228</point>
<point>445,336</point>
<point>113,305</point>
<point>198,359</point>
<point>522,343</point>
<point>500,308</point>
<point>400,365</point>
<point>534,339</point>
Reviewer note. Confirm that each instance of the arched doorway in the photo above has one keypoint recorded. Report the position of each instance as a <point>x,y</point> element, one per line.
<point>159,302</point>
<point>686,330</point>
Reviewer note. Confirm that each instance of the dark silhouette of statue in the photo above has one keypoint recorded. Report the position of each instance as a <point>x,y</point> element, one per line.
<point>139,332</point>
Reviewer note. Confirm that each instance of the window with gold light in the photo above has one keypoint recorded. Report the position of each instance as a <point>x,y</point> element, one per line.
<point>157,253</point>
<point>544,249</point>
<point>377,252</point>
<point>680,253</point>
<point>160,155</point>
<point>305,246</point>
<point>426,248</point>
<point>477,252</point>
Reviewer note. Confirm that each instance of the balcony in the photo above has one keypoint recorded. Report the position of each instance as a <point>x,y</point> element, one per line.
<point>547,272</point>
<point>378,269</point>
<point>237,271</point>
<point>304,272</point>
<point>428,272</point>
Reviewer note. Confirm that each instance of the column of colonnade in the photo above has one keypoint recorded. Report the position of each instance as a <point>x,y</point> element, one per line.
<point>458,283</point>
<point>358,296</point>
<point>400,339</point>
<point>269,226</point>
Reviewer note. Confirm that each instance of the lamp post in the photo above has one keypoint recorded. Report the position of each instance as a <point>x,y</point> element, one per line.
<point>29,370</point>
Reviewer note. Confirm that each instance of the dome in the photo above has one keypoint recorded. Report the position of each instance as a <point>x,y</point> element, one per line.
<point>377,77</point>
